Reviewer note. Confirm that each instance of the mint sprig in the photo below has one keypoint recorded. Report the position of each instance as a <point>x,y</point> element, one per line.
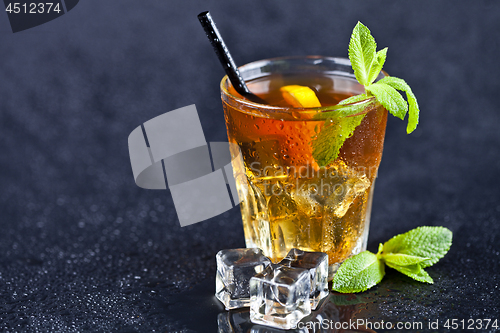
<point>359,273</point>
<point>408,253</point>
<point>363,55</point>
<point>367,64</point>
<point>431,243</point>
<point>401,85</point>
<point>339,126</point>
<point>327,145</point>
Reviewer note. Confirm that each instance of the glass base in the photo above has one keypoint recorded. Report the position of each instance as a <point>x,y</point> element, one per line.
<point>360,247</point>
<point>363,241</point>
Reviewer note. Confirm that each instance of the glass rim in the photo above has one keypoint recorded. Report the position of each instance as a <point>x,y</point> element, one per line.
<point>281,109</point>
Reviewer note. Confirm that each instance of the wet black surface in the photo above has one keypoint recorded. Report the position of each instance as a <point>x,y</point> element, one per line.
<point>83,249</point>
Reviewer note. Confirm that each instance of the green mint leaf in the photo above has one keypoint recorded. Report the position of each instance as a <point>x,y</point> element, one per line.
<point>366,63</point>
<point>354,99</point>
<point>340,123</point>
<point>377,65</point>
<point>414,271</point>
<point>339,126</point>
<point>326,146</point>
<point>389,98</point>
<point>358,273</point>
<point>424,242</point>
<point>408,253</point>
<point>401,259</point>
<point>362,53</point>
<point>380,248</point>
<point>352,106</point>
<point>413,112</point>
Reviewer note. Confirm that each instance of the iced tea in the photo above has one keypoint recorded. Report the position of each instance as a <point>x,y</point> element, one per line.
<point>288,200</point>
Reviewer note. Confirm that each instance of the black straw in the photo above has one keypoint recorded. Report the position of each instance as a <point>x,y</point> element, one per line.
<point>225,58</point>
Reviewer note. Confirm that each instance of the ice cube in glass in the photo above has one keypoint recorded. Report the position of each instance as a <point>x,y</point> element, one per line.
<point>235,267</point>
<point>279,297</point>
<point>317,265</point>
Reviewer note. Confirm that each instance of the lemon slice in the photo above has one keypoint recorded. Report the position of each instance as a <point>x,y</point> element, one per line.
<point>300,96</point>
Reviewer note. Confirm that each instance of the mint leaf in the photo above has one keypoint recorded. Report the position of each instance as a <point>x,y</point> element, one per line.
<point>362,53</point>
<point>389,98</point>
<point>408,253</point>
<point>425,242</point>
<point>401,259</point>
<point>414,271</point>
<point>341,121</point>
<point>366,63</point>
<point>358,273</point>
<point>413,113</point>
<point>326,146</point>
<point>355,105</point>
<point>352,106</point>
<point>377,65</point>
<point>380,248</point>
<point>353,99</point>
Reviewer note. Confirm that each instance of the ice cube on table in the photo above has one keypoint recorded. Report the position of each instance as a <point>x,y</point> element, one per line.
<point>317,265</point>
<point>279,297</point>
<point>235,267</point>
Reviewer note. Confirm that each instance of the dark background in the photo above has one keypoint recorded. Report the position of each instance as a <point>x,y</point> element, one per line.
<point>82,248</point>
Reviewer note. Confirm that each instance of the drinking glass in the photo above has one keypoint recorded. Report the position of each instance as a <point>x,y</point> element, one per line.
<point>288,200</point>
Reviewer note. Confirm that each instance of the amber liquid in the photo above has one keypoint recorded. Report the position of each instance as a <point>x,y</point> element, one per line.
<point>288,201</point>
